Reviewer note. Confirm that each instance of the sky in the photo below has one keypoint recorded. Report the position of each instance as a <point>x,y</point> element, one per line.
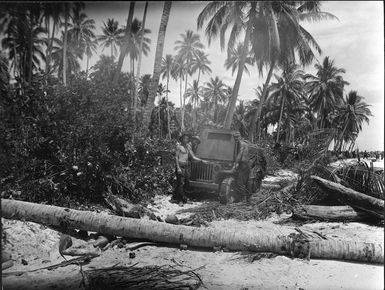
<point>355,42</point>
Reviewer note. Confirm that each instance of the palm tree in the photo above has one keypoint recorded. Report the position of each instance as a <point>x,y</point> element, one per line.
<point>215,92</point>
<point>352,113</point>
<point>200,63</point>
<point>112,36</point>
<point>266,27</point>
<point>288,90</point>
<point>325,89</point>
<point>81,28</point>
<point>24,41</point>
<point>90,47</point>
<point>158,60</point>
<point>51,11</point>
<point>223,15</point>
<point>126,41</point>
<point>73,53</point>
<point>234,58</point>
<point>194,93</point>
<point>137,39</point>
<point>179,70</point>
<point>167,65</point>
<point>141,44</point>
<point>188,49</point>
<point>144,89</point>
<point>278,37</point>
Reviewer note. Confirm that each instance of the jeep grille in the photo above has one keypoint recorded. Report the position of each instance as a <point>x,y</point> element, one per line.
<point>201,172</point>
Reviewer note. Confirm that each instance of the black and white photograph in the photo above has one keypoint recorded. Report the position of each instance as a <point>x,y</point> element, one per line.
<point>192,145</point>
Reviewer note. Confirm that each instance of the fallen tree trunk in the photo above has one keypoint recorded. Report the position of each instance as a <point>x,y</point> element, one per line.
<point>329,213</point>
<point>355,199</point>
<point>257,240</point>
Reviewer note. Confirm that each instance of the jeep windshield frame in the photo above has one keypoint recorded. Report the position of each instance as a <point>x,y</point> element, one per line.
<point>217,144</point>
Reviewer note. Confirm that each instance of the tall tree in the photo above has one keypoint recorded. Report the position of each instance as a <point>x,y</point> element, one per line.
<point>234,57</point>
<point>112,36</point>
<point>215,92</point>
<point>194,94</point>
<point>140,58</point>
<point>352,113</point>
<point>223,16</point>
<point>188,49</point>
<point>278,37</point>
<point>124,47</point>
<point>158,61</point>
<point>325,89</point>
<point>200,63</point>
<point>91,46</point>
<point>288,90</point>
<point>179,71</point>
<point>167,65</point>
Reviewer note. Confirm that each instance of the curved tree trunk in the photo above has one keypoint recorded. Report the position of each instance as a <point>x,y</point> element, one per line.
<point>237,84</point>
<point>157,63</point>
<point>259,240</point>
<point>124,48</point>
<point>168,111</point>
<point>181,104</point>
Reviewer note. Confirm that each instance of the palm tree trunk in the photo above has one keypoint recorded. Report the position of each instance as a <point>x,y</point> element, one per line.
<point>157,62</point>
<point>168,111</point>
<point>124,48</point>
<point>199,74</point>
<point>181,104</point>
<point>30,52</point>
<point>255,122</point>
<point>112,53</point>
<point>139,61</point>
<point>241,66</point>
<point>184,101</point>
<point>258,240</point>
<point>65,44</point>
<point>88,58</point>
<point>280,118</point>
<point>49,55</point>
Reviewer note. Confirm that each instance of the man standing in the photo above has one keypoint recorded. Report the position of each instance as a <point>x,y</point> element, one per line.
<point>242,169</point>
<point>182,170</point>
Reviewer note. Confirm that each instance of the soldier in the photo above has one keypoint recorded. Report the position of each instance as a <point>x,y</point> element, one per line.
<point>241,169</point>
<point>195,141</point>
<point>182,170</point>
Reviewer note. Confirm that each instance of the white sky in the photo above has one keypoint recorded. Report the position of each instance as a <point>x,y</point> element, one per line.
<point>355,42</point>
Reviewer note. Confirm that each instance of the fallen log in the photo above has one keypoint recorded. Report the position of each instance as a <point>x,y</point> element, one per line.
<point>236,240</point>
<point>329,213</point>
<point>355,199</point>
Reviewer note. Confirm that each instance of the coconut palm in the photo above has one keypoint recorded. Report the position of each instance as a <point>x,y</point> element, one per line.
<point>352,113</point>
<point>167,65</point>
<point>215,91</point>
<point>111,37</point>
<point>158,60</point>
<point>24,41</point>
<point>179,71</point>
<point>200,63</point>
<point>90,47</point>
<point>288,90</point>
<point>194,94</point>
<point>325,89</point>
<point>234,58</point>
<point>137,36</point>
<point>125,42</point>
<point>81,28</point>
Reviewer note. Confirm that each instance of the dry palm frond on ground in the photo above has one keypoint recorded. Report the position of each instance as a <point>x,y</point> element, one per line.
<point>149,277</point>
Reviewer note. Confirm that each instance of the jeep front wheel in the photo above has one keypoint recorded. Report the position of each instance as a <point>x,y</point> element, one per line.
<point>226,192</point>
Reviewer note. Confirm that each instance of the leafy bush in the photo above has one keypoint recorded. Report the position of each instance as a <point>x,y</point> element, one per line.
<point>75,142</point>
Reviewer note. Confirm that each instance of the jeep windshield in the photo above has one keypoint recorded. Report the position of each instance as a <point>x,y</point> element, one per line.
<point>216,145</point>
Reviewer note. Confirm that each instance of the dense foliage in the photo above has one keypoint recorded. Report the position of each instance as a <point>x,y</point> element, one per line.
<point>75,142</point>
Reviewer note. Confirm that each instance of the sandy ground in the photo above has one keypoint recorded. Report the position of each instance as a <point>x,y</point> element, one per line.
<point>38,246</point>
